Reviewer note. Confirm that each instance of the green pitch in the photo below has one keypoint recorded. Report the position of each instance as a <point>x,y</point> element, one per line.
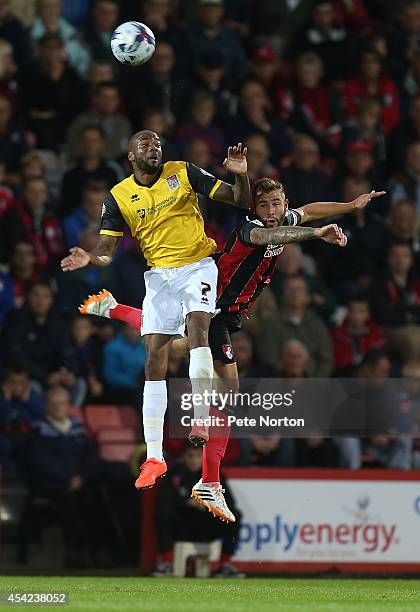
<point>254,594</point>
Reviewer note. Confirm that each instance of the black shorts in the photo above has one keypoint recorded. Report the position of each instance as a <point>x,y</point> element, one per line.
<point>222,326</point>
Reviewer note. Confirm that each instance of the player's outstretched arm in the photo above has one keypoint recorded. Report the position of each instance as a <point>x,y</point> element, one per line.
<point>101,255</point>
<point>238,194</point>
<point>321,210</point>
<point>285,235</point>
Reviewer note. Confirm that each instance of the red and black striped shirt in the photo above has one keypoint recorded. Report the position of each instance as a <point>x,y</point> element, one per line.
<point>245,268</point>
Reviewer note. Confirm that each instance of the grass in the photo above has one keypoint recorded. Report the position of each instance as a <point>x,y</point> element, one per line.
<point>188,594</point>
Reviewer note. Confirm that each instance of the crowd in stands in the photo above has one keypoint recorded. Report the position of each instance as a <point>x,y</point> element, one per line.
<point>325,94</point>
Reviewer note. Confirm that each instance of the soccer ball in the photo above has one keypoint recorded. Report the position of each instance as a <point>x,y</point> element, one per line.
<point>133,43</point>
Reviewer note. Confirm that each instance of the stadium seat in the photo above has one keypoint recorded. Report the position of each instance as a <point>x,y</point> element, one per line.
<point>120,452</point>
<point>76,412</point>
<point>202,554</point>
<point>108,436</point>
<point>130,417</point>
<point>103,417</point>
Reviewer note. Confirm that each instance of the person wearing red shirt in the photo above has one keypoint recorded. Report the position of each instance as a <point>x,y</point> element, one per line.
<point>357,335</point>
<point>372,82</point>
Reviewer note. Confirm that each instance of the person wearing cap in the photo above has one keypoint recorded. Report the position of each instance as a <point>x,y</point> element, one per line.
<point>210,35</point>
<point>359,160</point>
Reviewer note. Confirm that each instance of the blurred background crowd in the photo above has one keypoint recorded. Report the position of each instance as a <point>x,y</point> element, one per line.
<point>326,96</point>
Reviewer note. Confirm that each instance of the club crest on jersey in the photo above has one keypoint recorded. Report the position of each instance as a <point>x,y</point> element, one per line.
<point>173,181</point>
<point>273,250</point>
<point>228,351</point>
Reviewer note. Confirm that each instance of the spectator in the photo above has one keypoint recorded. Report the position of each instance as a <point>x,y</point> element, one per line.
<point>303,180</point>
<point>366,128</point>
<point>258,159</point>
<point>372,82</point>
<point>124,359</point>
<point>390,452</point>
<point>155,120</point>
<point>407,183</point>
<point>255,117</point>
<point>365,252</point>
<point>267,451</point>
<point>115,128</point>
<point>357,335</point>
<point>86,216</point>
<point>180,517</point>
<point>87,355</point>
<point>32,221</point>
<point>61,466</point>
<point>32,166</point>
<point>6,295</point>
<point>37,337</point>
<point>210,36</point>
<point>316,452</point>
<point>53,94</point>
<point>313,100</point>
<point>406,133</point>
<point>91,166</point>
<point>281,18</point>
<point>210,77</point>
<point>165,90</point>
<point>127,278</point>
<point>202,125</point>
<point>100,72</point>
<point>23,272</point>
<point>20,404</point>
<point>359,162</point>
<point>403,224</point>
<point>12,30</point>
<point>265,69</point>
<point>49,21</point>
<point>395,296</point>
<point>246,362</point>
<point>73,289</point>
<point>13,143</point>
<point>99,31</point>
<point>325,37</point>
<point>9,77</point>
<point>296,320</point>
<point>404,39</point>
<point>291,264</point>
<point>294,360</point>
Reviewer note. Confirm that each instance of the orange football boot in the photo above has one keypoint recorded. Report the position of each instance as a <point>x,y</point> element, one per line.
<point>150,471</point>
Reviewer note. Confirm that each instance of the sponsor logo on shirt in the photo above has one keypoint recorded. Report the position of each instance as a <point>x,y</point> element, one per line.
<point>273,250</point>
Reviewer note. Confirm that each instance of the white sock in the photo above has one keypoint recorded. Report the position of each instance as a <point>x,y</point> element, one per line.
<point>201,375</point>
<point>155,400</point>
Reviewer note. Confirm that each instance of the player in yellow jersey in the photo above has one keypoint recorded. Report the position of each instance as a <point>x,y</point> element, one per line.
<point>159,204</point>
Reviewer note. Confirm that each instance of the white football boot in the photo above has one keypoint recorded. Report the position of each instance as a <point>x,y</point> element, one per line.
<point>214,500</point>
<point>99,304</point>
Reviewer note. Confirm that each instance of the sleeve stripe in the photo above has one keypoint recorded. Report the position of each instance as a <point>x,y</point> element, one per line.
<point>111,233</point>
<point>215,188</point>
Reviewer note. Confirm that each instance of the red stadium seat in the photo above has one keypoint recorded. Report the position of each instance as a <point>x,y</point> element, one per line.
<point>130,417</point>
<point>108,436</point>
<point>117,452</point>
<point>103,417</point>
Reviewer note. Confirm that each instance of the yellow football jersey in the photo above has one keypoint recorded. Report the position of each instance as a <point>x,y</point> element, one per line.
<point>163,216</point>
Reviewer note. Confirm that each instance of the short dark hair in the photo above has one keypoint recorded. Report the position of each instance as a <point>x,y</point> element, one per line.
<point>41,283</point>
<point>92,185</point>
<point>266,185</point>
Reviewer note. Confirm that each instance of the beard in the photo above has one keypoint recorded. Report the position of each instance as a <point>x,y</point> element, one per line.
<point>143,165</point>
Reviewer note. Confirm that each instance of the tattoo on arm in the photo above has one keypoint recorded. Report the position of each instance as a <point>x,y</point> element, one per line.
<point>282,235</point>
<point>104,251</point>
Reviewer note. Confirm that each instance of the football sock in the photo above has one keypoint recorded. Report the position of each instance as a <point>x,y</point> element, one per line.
<point>155,400</point>
<point>201,375</point>
<point>214,450</point>
<point>129,315</point>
